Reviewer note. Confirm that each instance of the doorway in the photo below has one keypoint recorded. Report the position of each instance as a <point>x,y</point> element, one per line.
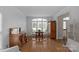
<point>53,30</point>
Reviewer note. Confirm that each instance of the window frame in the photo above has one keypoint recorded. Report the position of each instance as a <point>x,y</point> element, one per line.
<point>42,22</point>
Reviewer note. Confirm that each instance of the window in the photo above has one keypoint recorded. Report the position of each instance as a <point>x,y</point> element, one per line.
<point>65,19</point>
<point>64,24</point>
<point>39,24</point>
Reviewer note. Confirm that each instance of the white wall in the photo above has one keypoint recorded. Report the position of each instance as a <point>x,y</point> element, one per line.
<point>0,41</point>
<point>74,19</point>
<point>29,25</point>
<point>0,30</point>
<point>12,17</point>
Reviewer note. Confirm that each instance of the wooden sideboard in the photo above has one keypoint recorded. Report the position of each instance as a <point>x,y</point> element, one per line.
<point>14,39</point>
<point>18,38</point>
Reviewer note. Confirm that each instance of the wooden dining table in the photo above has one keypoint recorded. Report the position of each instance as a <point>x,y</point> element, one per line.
<point>39,35</point>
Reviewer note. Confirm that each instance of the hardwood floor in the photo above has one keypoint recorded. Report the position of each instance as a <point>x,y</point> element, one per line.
<point>45,45</point>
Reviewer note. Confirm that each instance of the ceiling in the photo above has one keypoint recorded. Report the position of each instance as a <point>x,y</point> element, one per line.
<point>40,10</point>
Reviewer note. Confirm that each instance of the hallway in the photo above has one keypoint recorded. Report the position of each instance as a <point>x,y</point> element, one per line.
<point>45,45</point>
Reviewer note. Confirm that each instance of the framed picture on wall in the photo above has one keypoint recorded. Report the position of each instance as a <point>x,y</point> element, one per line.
<point>15,30</point>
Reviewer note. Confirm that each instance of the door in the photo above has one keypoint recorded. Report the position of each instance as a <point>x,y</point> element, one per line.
<point>53,30</point>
